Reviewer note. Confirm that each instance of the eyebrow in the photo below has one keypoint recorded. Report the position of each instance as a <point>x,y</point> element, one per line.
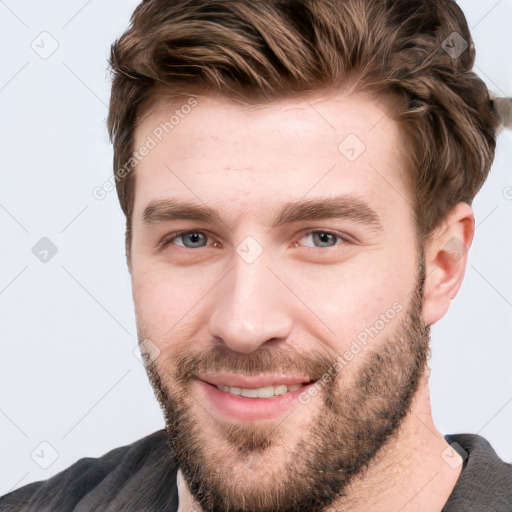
<point>172,209</point>
<point>340,207</point>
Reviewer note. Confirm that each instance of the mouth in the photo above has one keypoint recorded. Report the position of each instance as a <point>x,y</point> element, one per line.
<point>245,398</point>
<point>264,392</point>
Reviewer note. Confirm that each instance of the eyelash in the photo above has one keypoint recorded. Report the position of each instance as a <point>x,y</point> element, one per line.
<point>170,239</point>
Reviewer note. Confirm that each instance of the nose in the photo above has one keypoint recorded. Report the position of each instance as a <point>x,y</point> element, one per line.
<point>252,307</point>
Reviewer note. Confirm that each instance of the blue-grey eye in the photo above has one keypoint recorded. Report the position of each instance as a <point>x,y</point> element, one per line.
<point>324,238</point>
<point>194,238</point>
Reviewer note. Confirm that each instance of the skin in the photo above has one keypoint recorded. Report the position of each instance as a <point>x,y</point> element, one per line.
<point>245,162</point>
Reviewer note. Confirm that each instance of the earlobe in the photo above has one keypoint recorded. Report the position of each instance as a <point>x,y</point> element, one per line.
<point>445,261</point>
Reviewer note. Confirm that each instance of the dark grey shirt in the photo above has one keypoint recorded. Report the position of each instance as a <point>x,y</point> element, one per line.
<point>142,477</point>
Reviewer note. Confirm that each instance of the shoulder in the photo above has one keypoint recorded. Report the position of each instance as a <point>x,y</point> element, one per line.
<point>132,477</point>
<point>485,482</point>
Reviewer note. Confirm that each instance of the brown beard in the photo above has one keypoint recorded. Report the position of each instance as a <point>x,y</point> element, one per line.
<point>353,424</point>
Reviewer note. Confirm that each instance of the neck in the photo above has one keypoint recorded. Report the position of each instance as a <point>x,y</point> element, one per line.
<point>410,473</point>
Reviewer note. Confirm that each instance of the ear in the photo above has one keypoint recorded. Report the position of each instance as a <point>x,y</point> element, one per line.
<point>446,256</point>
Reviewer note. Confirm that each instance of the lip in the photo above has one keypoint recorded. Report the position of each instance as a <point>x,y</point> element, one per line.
<point>239,408</point>
<point>253,381</point>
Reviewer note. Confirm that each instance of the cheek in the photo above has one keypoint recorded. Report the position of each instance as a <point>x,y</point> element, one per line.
<point>360,301</point>
<point>167,303</point>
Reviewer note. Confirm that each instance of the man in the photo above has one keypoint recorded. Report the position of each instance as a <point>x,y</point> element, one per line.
<point>297,179</point>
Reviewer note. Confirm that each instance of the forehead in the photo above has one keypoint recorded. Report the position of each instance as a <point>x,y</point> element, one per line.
<point>217,151</point>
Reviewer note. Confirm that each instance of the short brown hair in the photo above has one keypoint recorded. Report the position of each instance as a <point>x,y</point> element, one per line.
<point>272,49</point>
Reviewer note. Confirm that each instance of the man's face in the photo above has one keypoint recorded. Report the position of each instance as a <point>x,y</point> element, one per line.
<point>285,342</point>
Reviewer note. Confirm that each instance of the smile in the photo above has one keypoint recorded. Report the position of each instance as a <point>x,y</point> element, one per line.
<point>251,398</point>
<point>264,392</point>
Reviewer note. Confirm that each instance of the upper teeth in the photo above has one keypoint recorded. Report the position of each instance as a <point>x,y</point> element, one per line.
<point>266,392</point>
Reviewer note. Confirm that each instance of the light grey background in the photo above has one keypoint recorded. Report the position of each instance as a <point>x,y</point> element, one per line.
<point>69,376</point>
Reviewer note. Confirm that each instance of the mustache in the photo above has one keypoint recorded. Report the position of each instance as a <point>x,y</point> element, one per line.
<point>264,361</point>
